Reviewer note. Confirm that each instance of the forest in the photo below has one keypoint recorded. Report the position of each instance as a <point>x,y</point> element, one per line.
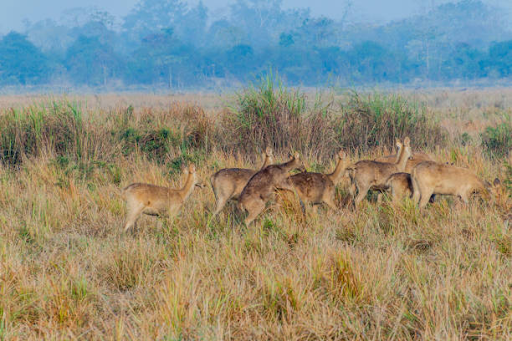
<point>169,44</point>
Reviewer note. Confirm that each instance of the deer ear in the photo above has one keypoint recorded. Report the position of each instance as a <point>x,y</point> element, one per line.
<point>497,182</point>
<point>192,168</point>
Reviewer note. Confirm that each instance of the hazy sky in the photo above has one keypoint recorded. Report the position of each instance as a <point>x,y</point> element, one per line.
<point>12,12</point>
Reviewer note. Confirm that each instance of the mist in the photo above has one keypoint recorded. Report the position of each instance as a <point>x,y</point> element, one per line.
<point>213,44</point>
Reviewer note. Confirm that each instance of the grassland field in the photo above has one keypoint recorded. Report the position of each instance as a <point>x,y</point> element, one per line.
<point>384,272</point>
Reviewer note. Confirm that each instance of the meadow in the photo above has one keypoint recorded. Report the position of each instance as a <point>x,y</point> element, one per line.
<point>384,272</point>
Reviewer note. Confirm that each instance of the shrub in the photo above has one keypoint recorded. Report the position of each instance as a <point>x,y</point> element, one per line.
<point>269,114</point>
<point>497,140</point>
<point>376,120</point>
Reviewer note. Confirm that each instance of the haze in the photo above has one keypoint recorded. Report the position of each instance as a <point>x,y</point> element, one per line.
<point>14,13</point>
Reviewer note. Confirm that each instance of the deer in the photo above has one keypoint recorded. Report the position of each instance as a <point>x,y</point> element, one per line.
<point>262,185</point>
<point>431,177</point>
<point>414,159</point>
<point>370,174</point>
<point>156,200</point>
<point>318,188</point>
<point>228,183</point>
<point>400,186</point>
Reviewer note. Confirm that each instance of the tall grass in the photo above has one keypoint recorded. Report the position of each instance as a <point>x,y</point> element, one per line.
<point>497,141</point>
<point>268,113</point>
<point>374,120</point>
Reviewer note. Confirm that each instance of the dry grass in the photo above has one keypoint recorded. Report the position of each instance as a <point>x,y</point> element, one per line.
<point>385,272</point>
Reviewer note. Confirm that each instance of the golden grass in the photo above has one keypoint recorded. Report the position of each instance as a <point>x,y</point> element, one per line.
<point>385,273</point>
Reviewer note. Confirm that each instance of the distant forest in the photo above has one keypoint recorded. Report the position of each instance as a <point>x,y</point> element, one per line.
<point>167,44</point>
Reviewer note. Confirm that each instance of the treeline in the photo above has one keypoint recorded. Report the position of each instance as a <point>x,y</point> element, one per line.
<point>167,44</point>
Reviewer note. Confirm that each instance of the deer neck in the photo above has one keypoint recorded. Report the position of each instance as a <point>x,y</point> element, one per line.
<point>402,158</point>
<point>338,170</point>
<point>398,152</point>
<point>188,187</point>
<point>266,161</point>
<point>288,166</point>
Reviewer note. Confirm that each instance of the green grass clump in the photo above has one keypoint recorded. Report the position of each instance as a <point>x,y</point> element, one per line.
<point>270,114</point>
<point>376,120</point>
<point>497,141</point>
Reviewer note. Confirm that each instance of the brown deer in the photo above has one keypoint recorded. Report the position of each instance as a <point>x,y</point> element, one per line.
<point>261,186</point>
<point>400,186</point>
<point>430,178</point>
<point>370,174</point>
<point>414,159</point>
<point>228,183</point>
<point>157,200</point>
<point>318,188</point>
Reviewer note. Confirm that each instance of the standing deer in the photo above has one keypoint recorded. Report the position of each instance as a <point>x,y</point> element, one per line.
<point>157,200</point>
<point>437,178</point>
<point>400,186</point>
<point>414,159</point>
<point>369,174</point>
<point>228,183</point>
<point>262,185</point>
<point>318,188</point>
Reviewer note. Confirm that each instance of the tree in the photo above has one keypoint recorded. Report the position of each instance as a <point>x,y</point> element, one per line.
<point>191,27</point>
<point>162,58</point>
<point>21,62</point>
<point>152,16</point>
<point>500,58</point>
<point>91,62</point>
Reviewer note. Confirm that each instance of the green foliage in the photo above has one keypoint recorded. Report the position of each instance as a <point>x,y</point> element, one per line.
<point>270,114</point>
<point>376,120</point>
<point>21,62</point>
<point>497,140</point>
<point>91,62</point>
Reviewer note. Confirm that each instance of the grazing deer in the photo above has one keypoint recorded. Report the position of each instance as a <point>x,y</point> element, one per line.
<point>430,178</point>
<point>400,186</point>
<point>157,200</point>
<point>262,185</point>
<point>318,188</point>
<point>369,174</point>
<point>228,183</point>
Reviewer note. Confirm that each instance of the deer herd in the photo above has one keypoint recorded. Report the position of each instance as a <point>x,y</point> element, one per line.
<point>405,174</point>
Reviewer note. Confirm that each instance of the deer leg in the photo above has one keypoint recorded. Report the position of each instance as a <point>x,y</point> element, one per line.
<point>362,191</point>
<point>425,197</point>
<point>134,211</point>
<point>330,202</point>
<point>254,209</point>
<point>219,205</point>
<point>416,193</point>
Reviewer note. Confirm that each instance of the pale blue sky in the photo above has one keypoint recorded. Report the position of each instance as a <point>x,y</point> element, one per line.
<point>12,12</point>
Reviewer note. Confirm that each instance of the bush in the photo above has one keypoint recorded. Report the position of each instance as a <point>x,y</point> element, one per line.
<point>497,140</point>
<point>35,130</point>
<point>376,120</point>
<point>271,115</point>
